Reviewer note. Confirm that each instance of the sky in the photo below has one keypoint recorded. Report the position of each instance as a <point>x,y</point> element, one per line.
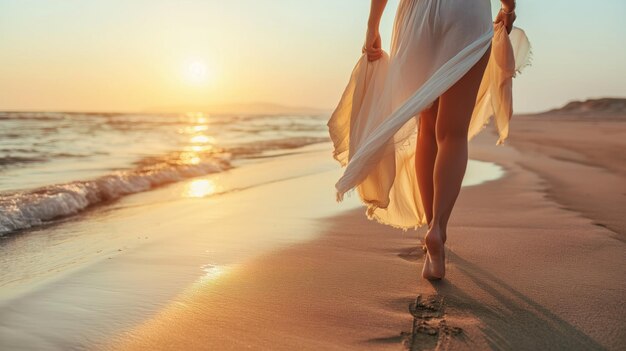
<point>136,55</point>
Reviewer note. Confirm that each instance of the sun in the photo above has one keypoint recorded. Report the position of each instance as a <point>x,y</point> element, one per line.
<point>197,71</point>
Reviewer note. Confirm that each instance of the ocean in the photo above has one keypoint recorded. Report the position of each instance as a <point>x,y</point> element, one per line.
<point>56,164</point>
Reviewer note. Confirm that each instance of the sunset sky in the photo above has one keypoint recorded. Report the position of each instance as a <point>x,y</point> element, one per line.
<point>133,55</point>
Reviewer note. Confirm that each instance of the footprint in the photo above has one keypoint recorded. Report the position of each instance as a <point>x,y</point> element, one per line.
<point>430,329</point>
<point>412,254</point>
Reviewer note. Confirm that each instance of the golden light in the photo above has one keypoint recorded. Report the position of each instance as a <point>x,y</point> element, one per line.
<point>200,128</point>
<point>200,188</point>
<point>201,139</point>
<point>200,148</point>
<point>197,71</point>
<point>211,272</point>
<point>189,158</point>
<point>197,117</point>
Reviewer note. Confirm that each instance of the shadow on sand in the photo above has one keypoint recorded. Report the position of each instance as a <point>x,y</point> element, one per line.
<point>518,323</point>
<point>514,322</point>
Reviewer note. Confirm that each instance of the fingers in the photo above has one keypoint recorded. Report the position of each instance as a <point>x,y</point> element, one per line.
<point>507,23</point>
<point>511,20</point>
<point>378,43</point>
<point>506,20</point>
<point>373,54</point>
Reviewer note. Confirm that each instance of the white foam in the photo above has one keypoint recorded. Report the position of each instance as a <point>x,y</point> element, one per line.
<point>27,209</point>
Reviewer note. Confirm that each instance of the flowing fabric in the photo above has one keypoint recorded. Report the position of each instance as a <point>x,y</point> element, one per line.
<point>374,127</point>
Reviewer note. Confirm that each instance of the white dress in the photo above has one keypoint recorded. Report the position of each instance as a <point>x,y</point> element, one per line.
<point>374,127</point>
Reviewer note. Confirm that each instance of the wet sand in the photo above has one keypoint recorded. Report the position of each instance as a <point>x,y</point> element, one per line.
<point>82,280</point>
<point>535,261</point>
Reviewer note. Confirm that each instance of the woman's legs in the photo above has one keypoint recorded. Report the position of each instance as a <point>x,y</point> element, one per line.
<point>455,111</point>
<point>425,155</point>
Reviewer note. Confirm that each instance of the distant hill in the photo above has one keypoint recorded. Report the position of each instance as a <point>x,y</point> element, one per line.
<point>591,107</point>
<point>255,108</point>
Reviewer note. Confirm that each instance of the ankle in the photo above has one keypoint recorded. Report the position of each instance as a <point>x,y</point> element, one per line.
<point>438,225</point>
<point>433,234</point>
<point>435,224</point>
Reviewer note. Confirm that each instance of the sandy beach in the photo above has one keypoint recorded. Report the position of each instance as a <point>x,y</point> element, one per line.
<point>535,262</point>
<point>171,175</point>
<point>270,261</point>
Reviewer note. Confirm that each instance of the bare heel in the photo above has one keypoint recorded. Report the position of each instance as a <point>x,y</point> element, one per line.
<point>434,262</point>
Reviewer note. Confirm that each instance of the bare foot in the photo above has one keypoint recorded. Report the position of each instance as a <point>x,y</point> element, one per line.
<point>434,263</point>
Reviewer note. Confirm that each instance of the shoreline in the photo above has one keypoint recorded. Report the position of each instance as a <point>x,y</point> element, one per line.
<point>515,279</point>
<point>324,277</point>
<point>137,255</point>
<point>235,181</point>
<point>134,257</point>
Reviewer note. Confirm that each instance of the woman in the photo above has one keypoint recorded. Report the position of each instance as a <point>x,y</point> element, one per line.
<point>439,87</point>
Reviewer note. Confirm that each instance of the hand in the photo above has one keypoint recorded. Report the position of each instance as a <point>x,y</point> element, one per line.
<point>373,45</point>
<point>505,19</point>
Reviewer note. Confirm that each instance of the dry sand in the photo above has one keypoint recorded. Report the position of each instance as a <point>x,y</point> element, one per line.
<point>535,262</point>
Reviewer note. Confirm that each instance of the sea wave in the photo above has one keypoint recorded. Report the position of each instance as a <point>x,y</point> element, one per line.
<point>27,209</point>
<point>128,153</point>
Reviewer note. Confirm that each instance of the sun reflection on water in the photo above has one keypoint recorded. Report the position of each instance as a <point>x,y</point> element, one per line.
<point>201,139</point>
<point>189,158</point>
<point>211,272</point>
<point>200,148</point>
<point>199,128</point>
<point>200,188</point>
<point>200,144</point>
<point>197,117</point>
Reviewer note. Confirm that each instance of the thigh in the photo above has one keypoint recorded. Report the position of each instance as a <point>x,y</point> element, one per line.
<point>428,120</point>
<point>457,103</point>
